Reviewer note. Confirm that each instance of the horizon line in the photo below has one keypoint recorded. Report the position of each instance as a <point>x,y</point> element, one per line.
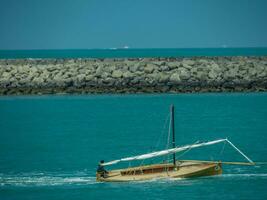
<point>127,49</point>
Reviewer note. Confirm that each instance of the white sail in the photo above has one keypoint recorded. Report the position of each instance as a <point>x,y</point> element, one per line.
<point>164,152</point>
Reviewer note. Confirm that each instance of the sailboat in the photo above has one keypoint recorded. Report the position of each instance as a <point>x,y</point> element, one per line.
<point>175,168</point>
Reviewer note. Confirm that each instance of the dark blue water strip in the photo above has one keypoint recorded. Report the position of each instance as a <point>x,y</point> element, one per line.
<point>131,53</point>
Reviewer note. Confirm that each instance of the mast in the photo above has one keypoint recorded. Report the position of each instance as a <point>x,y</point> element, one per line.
<point>173,133</point>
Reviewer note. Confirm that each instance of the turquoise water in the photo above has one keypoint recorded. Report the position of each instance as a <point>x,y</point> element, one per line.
<point>50,145</point>
<point>133,53</point>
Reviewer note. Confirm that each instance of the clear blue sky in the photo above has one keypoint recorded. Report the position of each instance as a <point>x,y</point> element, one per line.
<point>78,24</point>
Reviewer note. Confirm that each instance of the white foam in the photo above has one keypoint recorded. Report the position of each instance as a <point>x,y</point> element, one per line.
<point>244,175</point>
<point>43,179</point>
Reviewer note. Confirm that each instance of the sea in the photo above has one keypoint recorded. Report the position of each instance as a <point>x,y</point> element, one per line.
<point>132,52</point>
<point>50,145</point>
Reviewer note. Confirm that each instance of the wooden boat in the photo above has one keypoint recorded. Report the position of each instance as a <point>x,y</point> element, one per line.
<point>175,169</point>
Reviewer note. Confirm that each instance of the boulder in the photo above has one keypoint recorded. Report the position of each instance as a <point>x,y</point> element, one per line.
<point>5,82</point>
<point>158,63</point>
<point>110,68</point>
<point>164,68</point>
<point>184,74</point>
<point>109,81</point>
<point>203,62</point>
<point>155,77</point>
<point>117,74</point>
<point>6,75</point>
<point>175,78</point>
<point>128,75</point>
<point>58,78</point>
<point>201,76</point>
<point>173,65</point>
<point>33,70</point>
<point>134,67</point>
<point>105,75</point>
<point>214,66</point>
<point>99,70</point>
<point>212,75</point>
<point>188,62</point>
<point>186,66</point>
<point>231,73</point>
<point>81,77</point>
<point>37,81</point>
<point>136,80</point>
<point>51,68</point>
<point>260,67</point>
<point>149,68</point>
<point>164,78</point>
<point>89,77</point>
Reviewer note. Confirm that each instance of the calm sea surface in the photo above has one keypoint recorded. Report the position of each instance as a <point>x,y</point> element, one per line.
<point>50,145</point>
<point>132,53</point>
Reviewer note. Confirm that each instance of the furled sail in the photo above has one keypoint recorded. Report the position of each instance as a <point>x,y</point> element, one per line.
<point>164,152</point>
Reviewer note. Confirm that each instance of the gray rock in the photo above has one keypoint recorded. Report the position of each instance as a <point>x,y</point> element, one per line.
<point>175,78</point>
<point>159,63</point>
<point>184,74</point>
<point>164,78</point>
<point>33,70</point>
<point>128,75</point>
<point>81,77</point>
<point>186,66</point>
<point>51,68</point>
<point>134,68</point>
<point>149,68</point>
<point>105,75</point>
<point>214,66</point>
<point>6,75</point>
<point>99,70</point>
<point>155,77</point>
<point>201,76</point>
<point>174,65</point>
<point>136,80</point>
<point>164,68</point>
<point>110,68</point>
<point>116,74</point>
<point>109,81</point>
<point>212,75</point>
<point>260,68</point>
<point>188,62</point>
<point>231,73</point>
<point>89,77</point>
<point>203,62</point>
<point>147,75</point>
<point>37,81</point>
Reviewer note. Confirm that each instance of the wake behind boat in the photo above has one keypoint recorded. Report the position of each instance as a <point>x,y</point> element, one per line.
<point>174,169</point>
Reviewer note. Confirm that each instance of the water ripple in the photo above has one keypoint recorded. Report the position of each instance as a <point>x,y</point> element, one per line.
<point>50,179</point>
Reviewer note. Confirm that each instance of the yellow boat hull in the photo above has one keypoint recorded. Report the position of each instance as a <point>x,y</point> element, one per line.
<point>185,169</point>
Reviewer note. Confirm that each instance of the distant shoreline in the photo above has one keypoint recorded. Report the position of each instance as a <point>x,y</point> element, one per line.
<point>134,75</point>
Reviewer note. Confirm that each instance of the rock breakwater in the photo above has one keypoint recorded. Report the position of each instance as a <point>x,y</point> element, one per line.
<point>148,75</point>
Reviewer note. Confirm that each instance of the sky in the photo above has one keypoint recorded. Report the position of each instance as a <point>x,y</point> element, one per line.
<point>89,24</point>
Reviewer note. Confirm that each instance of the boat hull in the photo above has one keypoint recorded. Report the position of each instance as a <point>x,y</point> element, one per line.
<point>185,169</point>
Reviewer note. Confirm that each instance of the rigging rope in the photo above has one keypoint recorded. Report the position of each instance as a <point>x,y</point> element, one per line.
<point>162,131</point>
<point>168,138</point>
<point>222,150</point>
